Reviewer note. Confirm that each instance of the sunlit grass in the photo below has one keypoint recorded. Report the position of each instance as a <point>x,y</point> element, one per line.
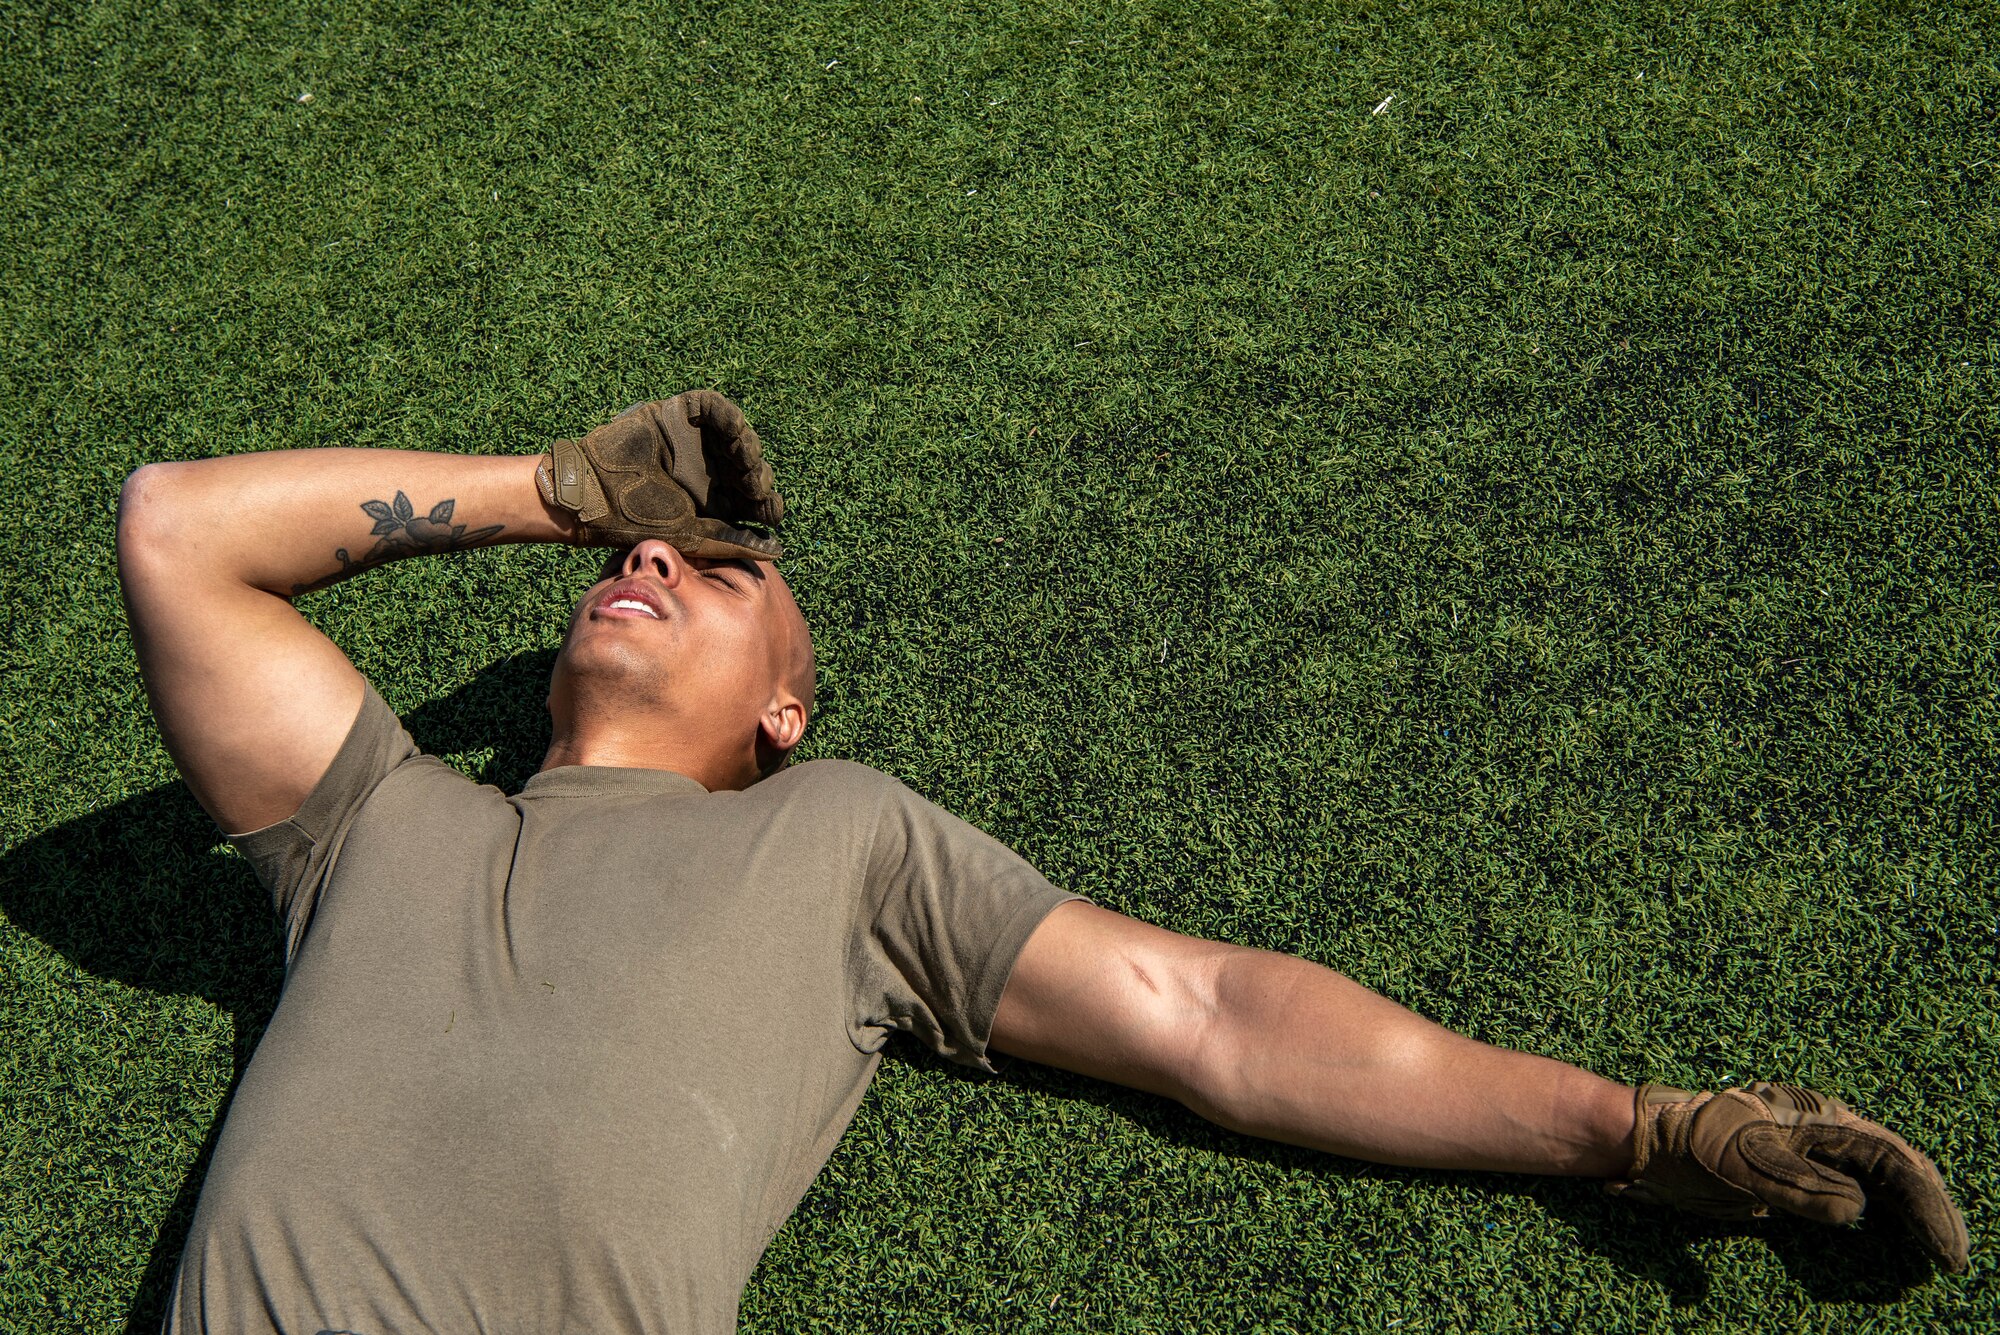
<point>1530,546</point>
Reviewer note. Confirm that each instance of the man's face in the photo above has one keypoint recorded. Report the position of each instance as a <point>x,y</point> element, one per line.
<point>697,647</point>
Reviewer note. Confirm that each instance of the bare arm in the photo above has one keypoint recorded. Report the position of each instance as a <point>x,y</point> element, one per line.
<point>1279,1047</point>
<point>253,700</point>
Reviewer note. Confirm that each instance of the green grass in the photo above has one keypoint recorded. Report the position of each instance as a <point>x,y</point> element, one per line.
<point>1532,549</point>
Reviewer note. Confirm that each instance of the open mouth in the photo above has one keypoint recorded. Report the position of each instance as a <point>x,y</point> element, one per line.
<point>630,605</point>
<point>629,599</point>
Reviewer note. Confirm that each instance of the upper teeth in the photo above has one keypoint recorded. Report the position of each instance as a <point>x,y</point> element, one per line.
<point>636,606</point>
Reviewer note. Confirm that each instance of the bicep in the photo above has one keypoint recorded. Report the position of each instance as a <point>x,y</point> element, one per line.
<point>252,700</point>
<point>1109,996</point>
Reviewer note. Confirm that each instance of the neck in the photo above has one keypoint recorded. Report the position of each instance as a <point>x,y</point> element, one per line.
<point>622,750</point>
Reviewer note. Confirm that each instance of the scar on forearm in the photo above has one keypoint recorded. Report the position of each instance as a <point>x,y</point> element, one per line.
<point>400,531</point>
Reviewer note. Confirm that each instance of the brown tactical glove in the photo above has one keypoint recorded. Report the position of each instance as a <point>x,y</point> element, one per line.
<point>687,470</point>
<point>1736,1154</point>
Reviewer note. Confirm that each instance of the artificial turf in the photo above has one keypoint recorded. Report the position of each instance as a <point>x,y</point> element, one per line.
<point>1499,499</point>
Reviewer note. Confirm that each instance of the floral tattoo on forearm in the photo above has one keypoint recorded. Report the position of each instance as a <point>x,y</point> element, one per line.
<point>400,531</point>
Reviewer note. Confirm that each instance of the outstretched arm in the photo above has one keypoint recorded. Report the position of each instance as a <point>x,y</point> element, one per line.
<point>252,700</point>
<point>1279,1047</point>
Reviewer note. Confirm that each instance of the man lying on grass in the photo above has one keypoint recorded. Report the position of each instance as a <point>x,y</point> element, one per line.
<point>565,1060</point>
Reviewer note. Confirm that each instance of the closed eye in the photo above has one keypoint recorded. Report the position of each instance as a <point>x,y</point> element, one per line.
<point>743,568</point>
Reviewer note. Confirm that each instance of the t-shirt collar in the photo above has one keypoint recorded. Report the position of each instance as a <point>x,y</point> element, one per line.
<point>606,780</point>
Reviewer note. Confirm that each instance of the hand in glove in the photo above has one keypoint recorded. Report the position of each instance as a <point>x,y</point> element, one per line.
<point>687,470</point>
<point>1736,1154</point>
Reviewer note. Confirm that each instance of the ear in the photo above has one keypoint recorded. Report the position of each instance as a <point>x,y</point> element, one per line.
<point>782,724</point>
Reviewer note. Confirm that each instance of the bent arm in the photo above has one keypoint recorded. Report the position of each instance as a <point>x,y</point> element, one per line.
<point>252,700</point>
<point>1279,1047</point>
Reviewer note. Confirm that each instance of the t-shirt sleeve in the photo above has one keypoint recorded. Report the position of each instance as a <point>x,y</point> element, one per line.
<point>292,858</point>
<point>945,911</point>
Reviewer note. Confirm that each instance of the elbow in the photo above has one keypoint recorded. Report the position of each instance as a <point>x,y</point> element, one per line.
<point>1236,1068</point>
<point>1229,1105</point>
<point>151,507</point>
<point>1210,1075</point>
<point>1216,1089</point>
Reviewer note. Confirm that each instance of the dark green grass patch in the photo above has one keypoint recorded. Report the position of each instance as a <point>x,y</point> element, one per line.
<point>1532,548</point>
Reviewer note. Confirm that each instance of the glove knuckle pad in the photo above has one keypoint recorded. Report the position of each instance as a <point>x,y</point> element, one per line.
<point>686,470</point>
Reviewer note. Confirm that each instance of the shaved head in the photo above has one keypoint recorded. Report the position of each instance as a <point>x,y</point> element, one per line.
<point>802,667</point>
<point>798,669</point>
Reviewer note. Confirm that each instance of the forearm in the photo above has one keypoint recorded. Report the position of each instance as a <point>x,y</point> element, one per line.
<point>252,700</point>
<point>291,520</point>
<point>1298,1053</point>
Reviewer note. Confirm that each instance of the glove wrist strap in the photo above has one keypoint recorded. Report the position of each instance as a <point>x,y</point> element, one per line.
<point>567,481</point>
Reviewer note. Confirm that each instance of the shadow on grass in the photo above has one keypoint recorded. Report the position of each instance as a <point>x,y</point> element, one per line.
<point>1876,1261</point>
<point>142,892</point>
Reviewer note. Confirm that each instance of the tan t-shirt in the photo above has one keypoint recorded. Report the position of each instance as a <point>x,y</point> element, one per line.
<point>565,1061</point>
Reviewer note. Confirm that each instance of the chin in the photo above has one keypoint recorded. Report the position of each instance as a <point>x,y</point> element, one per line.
<point>605,667</point>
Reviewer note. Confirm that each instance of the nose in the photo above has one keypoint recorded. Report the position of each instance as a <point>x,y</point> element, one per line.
<point>655,558</point>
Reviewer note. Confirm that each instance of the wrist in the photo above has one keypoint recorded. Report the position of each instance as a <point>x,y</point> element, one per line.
<point>561,520</point>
